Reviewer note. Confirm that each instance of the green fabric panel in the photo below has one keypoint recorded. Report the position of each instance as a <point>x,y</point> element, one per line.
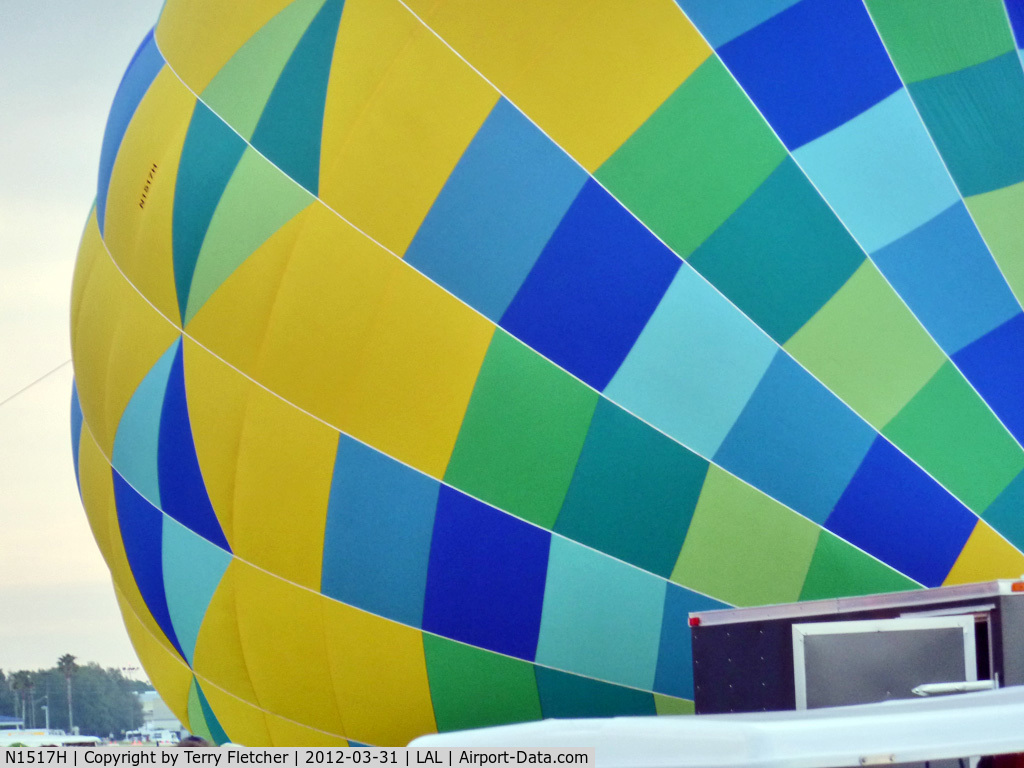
<point>1004,514</point>
<point>744,547</point>
<point>868,348</point>
<point>927,38</point>
<point>948,430</point>
<point>522,434</point>
<point>666,705</point>
<point>197,725</point>
<point>258,200</point>
<point>633,492</point>
<point>695,160</point>
<point>782,255</point>
<point>838,569</point>
<point>998,216</point>
<point>473,688</point>
<point>240,90</point>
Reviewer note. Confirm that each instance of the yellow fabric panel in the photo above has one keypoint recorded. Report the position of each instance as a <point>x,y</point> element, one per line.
<point>216,397</point>
<point>282,634</point>
<point>90,250</point>
<point>985,557</point>
<point>218,656</point>
<point>288,733</point>
<point>380,673</point>
<point>165,669</point>
<point>116,339</point>
<point>588,73</point>
<point>282,483</point>
<point>97,487</point>
<point>401,108</point>
<point>198,37</point>
<point>375,349</point>
<point>137,229</point>
<point>101,510</point>
<point>241,721</point>
<point>233,321</point>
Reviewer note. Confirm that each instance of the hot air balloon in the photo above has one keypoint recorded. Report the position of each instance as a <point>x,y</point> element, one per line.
<point>434,360</point>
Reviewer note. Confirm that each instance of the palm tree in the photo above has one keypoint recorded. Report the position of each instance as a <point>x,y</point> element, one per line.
<point>20,683</point>
<point>66,664</point>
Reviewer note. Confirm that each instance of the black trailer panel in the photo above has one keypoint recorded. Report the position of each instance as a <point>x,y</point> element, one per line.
<point>743,657</point>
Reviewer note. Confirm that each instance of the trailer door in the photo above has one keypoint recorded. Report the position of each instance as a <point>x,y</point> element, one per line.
<point>859,662</point>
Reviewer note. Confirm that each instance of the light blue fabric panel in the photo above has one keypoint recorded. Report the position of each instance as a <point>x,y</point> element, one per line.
<point>722,20</point>
<point>796,441</point>
<point>193,567</point>
<point>945,273</point>
<point>694,366</point>
<point>138,433</point>
<point>601,618</point>
<point>880,172</point>
<point>496,212</point>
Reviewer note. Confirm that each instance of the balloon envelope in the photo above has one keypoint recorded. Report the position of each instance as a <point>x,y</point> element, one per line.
<point>434,360</point>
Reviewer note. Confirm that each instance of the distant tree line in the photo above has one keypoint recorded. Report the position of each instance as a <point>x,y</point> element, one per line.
<point>98,701</point>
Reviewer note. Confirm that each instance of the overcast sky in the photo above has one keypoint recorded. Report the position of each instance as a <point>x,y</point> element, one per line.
<point>60,63</point>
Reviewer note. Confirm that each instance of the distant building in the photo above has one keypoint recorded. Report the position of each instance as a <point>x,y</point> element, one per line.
<point>157,716</point>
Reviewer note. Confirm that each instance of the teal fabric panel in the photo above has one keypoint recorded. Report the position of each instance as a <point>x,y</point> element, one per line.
<point>782,255</point>
<point>880,172</point>
<point>193,567</point>
<point>601,618</point>
<point>208,160</point>
<point>569,696</point>
<point>975,117</point>
<point>633,492</point>
<point>1004,514</point>
<point>291,125</point>
<point>694,366</point>
<point>796,441</point>
<point>138,433</point>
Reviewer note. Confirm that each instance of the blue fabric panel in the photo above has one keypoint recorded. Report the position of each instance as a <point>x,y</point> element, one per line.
<point>496,212</point>
<point>182,490</point>
<point>570,696</point>
<point>1015,10</point>
<point>994,365</point>
<point>76,430</point>
<point>593,288</point>
<point>880,172</point>
<point>216,730</point>
<point>812,67</point>
<point>193,568</point>
<point>1004,514</point>
<point>380,516</point>
<point>136,444</point>
<point>722,20</point>
<point>208,159</point>
<point>675,654</point>
<point>485,583</point>
<point>602,617</point>
<point>796,441</point>
<point>142,70</point>
<point>292,122</point>
<point>896,512</point>
<point>946,274</point>
<point>974,116</point>
<point>142,533</point>
<point>695,365</point>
